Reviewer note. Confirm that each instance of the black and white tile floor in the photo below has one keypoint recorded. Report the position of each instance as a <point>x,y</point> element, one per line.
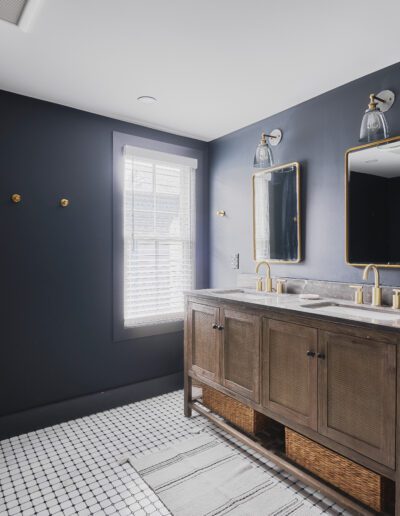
<point>73,468</point>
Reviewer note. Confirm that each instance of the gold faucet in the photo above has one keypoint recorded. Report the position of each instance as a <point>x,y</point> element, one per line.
<point>376,289</point>
<point>268,280</point>
<point>396,298</point>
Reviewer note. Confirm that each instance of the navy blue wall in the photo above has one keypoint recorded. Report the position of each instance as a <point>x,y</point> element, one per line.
<point>56,264</point>
<point>316,133</point>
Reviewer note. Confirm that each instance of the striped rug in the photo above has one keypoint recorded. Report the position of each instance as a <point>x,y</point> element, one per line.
<point>203,476</point>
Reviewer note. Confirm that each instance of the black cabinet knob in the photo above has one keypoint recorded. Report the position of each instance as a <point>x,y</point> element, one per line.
<point>321,356</point>
<point>220,328</point>
<point>311,353</point>
<point>214,326</point>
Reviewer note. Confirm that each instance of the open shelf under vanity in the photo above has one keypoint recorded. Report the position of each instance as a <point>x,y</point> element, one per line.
<point>270,443</point>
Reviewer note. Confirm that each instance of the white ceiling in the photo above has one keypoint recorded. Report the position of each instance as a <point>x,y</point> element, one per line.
<point>214,65</point>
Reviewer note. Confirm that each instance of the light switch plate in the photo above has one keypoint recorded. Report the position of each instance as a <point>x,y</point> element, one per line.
<point>235,261</point>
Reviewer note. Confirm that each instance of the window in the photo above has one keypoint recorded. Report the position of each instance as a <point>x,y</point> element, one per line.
<point>158,235</point>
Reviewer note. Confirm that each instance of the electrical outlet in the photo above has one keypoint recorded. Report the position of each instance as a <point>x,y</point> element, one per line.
<point>235,261</point>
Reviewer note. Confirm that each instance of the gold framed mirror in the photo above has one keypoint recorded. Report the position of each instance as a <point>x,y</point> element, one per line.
<point>372,193</point>
<point>276,214</point>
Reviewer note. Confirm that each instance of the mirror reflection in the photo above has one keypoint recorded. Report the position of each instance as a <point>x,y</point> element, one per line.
<point>276,216</point>
<point>373,193</point>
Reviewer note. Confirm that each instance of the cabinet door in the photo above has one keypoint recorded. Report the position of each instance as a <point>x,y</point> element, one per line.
<point>357,392</point>
<point>204,341</point>
<point>241,353</point>
<point>289,371</point>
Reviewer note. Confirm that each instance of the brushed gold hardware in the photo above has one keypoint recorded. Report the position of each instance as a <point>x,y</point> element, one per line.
<point>376,289</point>
<point>396,298</point>
<point>346,200</point>
<point>279,285</point>
<point>296,165</point>
<point>268,279</point>
<point>16,198</point>
<point>221,213</point>
<point>372,104</point>
<point>259,285</point>
<point>64,203</point>
<point>388,101</point>
<point>358,294</point>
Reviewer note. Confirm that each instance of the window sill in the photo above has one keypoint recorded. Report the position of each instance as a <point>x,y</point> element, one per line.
<point>136,332</point>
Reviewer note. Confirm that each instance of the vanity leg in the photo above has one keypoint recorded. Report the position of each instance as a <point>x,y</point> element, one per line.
<point>187,380</point>
<point>187,395</point>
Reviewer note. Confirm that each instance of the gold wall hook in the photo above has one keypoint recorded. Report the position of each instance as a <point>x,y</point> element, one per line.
<point>16,198</point>
<point>64,203</point>
<point>221,213</point>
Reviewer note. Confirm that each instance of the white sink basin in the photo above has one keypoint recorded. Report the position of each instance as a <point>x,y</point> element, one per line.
<point>244,294</point>
<point>352,311</point>
<point>228,291</point>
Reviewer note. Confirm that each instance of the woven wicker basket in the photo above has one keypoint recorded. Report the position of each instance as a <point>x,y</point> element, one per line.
<point>355,480</point>
<point>233,411</point>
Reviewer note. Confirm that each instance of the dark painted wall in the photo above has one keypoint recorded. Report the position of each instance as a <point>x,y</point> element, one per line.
<point>316,133</point>
<point>56,264</point>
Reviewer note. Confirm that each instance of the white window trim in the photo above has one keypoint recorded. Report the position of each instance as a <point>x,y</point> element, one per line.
<point>163,157</point>
<point>195,157</point>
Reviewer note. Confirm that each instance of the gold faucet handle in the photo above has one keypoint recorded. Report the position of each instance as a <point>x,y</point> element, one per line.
<point>358,295</point>
<point>396,298</point>
<point>259,284</point>
<point>279,285</point>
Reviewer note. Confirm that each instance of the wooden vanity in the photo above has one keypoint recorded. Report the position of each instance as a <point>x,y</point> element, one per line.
<point>335,382</point>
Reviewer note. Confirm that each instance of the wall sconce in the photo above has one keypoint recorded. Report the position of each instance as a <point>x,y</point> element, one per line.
<point>374,125</point>
<point>263,156</point>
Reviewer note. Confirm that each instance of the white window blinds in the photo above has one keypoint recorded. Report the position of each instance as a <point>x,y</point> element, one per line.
<point>159,235</point>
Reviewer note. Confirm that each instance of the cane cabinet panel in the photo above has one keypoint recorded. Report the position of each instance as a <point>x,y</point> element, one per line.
<point>241,352</point>
<point>289,371</point>
<point>357,394</point>
<point>204,341</point>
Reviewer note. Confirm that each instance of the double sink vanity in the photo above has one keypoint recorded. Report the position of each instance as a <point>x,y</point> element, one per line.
<point>322,366</point>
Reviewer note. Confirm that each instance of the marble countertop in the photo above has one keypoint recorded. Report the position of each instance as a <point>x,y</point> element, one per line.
<point>325,307</point>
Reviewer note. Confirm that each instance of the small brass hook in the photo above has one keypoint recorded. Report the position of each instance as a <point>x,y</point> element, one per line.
<point>16,198</point>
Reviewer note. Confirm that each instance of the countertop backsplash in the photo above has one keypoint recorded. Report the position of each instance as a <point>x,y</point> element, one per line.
<point>331,289</point>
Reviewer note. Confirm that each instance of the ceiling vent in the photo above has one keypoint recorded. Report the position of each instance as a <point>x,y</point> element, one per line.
<point>11,10</point>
